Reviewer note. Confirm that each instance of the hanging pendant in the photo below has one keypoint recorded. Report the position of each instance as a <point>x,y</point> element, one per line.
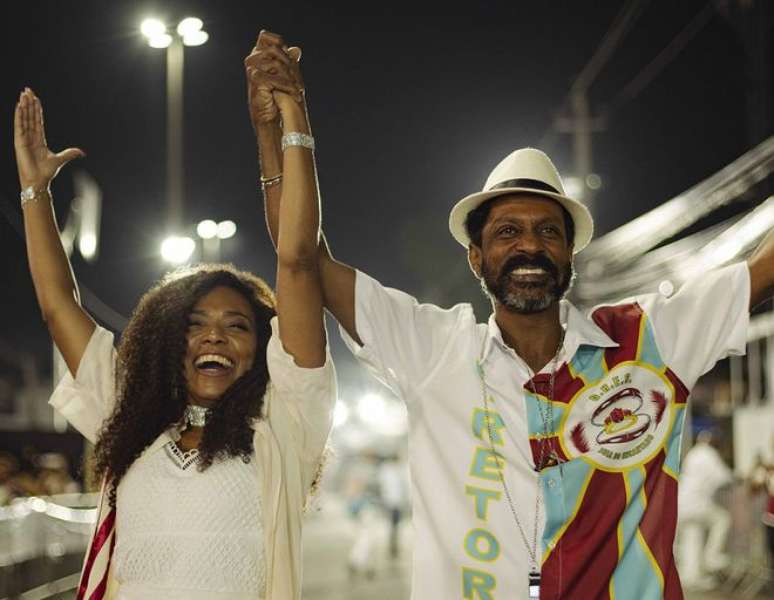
<point>534,585</point>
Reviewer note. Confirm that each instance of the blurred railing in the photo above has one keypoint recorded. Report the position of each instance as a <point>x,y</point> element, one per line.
<point>617,249</point>
<point>42,540</point>
<point>638,258</point>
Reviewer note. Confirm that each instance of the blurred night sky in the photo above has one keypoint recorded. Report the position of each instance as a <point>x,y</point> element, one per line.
<point>411,105</point>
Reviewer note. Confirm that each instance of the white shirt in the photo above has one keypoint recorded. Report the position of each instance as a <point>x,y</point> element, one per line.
<point>185,529</point>
<point>467,542</point>
<point>393,484</point>
<point>288,441</point>
<point>703,474</point>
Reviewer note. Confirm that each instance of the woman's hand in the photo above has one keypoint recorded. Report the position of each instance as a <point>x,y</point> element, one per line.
<point>292,107</point>
<point>36,164</point>
<point>270,68</point>
<point>69,324</point>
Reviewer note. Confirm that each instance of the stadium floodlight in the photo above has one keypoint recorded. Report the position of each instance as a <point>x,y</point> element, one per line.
<point>197,38</point>
<point>151,28</point>
<point>188,26</point>
<point>207,229</point>
<point>226,229</point>
<point>163,40</point>
<point>189,30</point>
<point>177,250</point>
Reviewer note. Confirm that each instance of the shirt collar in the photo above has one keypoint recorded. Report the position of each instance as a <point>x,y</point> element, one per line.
<point>579,330</point>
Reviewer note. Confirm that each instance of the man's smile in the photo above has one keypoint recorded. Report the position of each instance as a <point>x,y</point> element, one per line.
<point>528,274</point>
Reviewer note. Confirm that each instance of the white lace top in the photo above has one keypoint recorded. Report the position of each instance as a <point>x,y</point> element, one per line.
<point>180,529</point>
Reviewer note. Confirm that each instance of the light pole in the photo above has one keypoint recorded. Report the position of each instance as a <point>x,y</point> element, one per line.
<point>189,32</point>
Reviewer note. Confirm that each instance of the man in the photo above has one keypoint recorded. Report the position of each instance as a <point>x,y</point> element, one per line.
<point>544,445</point>
<point>703,475</point>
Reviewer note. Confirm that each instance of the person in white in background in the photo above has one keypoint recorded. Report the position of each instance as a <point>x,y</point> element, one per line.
<point>393,489</point>
<point>362,491</point>
<point>704,474</point>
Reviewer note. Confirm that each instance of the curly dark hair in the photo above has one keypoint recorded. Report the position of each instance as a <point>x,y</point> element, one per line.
<point>150,381</point>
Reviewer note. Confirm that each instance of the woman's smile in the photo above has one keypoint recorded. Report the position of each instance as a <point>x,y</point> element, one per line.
<point>221,344</point>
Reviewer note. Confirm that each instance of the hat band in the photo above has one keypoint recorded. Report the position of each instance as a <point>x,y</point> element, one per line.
<point>524,183</point>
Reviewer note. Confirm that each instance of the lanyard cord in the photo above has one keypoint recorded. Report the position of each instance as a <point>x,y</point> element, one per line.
<point>531,549</point>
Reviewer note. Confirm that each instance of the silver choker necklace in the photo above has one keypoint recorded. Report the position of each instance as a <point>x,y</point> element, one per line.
<point>195,415</point>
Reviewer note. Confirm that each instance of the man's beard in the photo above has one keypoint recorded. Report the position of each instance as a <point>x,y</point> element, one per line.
<point>527,297</point>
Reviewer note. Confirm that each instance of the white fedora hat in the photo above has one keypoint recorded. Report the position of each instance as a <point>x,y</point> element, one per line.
<point>525,170</point>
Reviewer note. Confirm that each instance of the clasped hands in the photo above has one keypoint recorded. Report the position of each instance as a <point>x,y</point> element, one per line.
<point>275,88</point>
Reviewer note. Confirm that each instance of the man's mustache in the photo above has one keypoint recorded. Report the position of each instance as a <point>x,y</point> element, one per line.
<point>539,261</point>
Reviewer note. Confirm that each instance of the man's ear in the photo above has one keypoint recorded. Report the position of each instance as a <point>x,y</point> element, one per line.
<point>474,260</point>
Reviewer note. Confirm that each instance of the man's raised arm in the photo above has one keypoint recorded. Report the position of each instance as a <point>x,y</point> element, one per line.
<point>267,70</point>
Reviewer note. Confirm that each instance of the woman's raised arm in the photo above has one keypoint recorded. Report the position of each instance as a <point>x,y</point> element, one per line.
<point>69,324</point>
<point>299,295</point>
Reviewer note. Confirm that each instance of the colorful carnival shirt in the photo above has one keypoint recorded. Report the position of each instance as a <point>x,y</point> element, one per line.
<point>606,512</point>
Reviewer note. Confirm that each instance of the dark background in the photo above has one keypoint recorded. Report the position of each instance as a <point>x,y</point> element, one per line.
<point>411,104</point>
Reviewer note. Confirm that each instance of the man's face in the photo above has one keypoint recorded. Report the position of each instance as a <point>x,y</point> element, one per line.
<point>525,259</point>
<point>221,344</point>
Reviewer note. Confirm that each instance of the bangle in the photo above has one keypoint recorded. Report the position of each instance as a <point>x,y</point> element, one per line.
<point>270,181</point>
<point>30,193</point>
<point>294,138</point>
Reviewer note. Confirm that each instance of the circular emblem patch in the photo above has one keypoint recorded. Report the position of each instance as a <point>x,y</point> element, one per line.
<point>620,421</point>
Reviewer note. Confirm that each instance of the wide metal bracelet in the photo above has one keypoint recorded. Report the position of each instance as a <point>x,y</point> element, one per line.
<point>30,193</point>
<point>294,138</point>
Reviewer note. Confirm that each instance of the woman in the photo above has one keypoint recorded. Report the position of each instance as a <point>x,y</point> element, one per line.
<point>211,417</point>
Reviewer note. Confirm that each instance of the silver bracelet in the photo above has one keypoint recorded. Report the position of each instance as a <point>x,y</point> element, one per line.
<point>30,193</point>
<point>294,138</point>
<point>271,180</point>
<point>267,182</point>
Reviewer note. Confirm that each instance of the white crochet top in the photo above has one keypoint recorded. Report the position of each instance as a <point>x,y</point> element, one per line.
<point>179,529</point>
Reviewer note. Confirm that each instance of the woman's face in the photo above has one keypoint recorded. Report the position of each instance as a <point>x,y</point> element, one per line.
<point>221,344</point>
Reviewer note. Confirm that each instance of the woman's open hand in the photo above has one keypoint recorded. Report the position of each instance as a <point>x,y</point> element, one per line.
<point>37,165</point>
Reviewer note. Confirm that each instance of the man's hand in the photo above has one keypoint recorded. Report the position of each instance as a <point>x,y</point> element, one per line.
<point>36,164</point>
<point>272,68</point>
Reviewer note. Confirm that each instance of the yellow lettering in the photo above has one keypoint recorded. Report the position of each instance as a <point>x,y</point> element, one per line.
<point>486,464</point>
<point>477,585</point>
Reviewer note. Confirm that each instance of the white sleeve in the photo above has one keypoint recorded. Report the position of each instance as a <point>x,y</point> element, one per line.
<point>88,399</point>
<point>308,396</point>
<point>704,322</point>
<point>403,341</point>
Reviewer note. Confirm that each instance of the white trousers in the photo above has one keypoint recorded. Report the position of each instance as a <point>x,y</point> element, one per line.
<point>697,557</point>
